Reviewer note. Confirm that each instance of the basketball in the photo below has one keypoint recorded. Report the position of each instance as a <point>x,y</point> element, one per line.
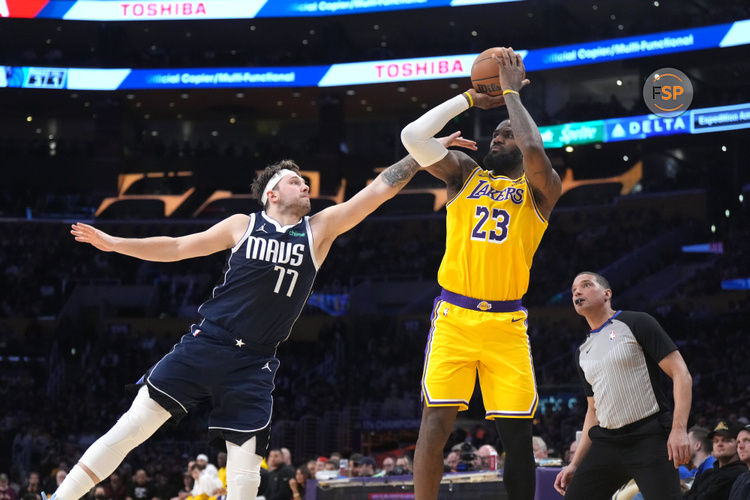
<point>484,71</point>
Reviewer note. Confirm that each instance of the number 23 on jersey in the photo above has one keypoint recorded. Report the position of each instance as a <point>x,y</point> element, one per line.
<point>497,230</point>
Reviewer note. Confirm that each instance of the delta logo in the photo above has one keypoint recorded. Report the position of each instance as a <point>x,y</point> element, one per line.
<point>21,8</point>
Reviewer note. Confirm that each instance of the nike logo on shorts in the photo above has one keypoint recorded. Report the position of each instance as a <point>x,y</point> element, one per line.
<point>515,319</point>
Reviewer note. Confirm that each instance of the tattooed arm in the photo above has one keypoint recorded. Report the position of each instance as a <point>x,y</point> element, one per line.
<point>327,224</point>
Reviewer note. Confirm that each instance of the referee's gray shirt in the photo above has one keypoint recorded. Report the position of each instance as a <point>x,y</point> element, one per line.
<point>619,367</point>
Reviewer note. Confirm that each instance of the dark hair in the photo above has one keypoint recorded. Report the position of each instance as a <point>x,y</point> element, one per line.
<point>598,278</point>
<point>259,184</point>
<point>701,434</point>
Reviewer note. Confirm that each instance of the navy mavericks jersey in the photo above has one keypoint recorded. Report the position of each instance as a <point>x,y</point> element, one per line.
<point>269,276</point>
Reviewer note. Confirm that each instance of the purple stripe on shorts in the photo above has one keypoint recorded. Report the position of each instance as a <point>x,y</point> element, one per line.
<point>499,306</point>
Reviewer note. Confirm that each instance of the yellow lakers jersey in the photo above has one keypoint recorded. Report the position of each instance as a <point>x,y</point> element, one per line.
<point>493,229</point>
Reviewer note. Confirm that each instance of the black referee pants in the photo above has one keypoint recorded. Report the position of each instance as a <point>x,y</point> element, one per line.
<point>637,451</point>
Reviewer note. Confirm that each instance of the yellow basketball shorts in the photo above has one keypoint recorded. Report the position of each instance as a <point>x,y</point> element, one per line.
<point>463,342</point>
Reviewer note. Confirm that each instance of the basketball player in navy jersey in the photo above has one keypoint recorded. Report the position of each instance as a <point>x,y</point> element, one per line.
<point>275,255</point>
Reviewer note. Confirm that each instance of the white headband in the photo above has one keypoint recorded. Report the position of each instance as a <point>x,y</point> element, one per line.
<point>273,181</point>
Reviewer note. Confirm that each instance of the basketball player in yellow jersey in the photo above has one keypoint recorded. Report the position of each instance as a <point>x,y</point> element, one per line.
<point>496,216</point>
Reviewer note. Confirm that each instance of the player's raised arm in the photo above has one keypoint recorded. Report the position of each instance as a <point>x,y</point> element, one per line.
<point>333,221</point>
<point>220,236</point>
<point>453,167</point>
<point>539,172</point>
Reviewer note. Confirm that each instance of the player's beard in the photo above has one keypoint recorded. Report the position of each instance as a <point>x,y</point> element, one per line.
<point>299,207</point>
<point>502,163</point>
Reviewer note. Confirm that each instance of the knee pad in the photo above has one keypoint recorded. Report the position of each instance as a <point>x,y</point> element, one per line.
<point>243,470</point>
<point>137,424</point>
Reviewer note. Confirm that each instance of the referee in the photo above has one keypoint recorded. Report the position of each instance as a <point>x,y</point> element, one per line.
<point>628,418</point>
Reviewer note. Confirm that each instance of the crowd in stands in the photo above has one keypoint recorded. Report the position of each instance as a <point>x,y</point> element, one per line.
<point>719,469</point>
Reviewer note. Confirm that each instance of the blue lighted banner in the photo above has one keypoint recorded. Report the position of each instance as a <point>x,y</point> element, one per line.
<point>645,126</point>
<point>386,71</point>
<point>716,247</point>
<point>736,284</point>
<point>166,10</point>
<point>720,118</point>
<point>629,128</point>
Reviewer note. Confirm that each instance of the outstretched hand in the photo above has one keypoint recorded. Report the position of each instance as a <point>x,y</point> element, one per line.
<point>455,139</point>
<point>89,234</point>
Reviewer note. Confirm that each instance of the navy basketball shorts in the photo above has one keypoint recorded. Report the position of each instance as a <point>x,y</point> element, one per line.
<point>214,366</point>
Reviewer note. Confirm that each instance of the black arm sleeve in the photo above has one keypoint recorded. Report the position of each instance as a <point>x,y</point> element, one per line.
<point>587,389</point>
<point>652,337</point>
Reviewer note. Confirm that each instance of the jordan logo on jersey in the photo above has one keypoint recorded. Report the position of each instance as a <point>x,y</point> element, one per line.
<point>483,188</point>
<point>267,366</point>
<point>262,229</point>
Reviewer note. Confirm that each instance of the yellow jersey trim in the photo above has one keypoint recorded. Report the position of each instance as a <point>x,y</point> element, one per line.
<point>466,183</point>
<point>489,172</point>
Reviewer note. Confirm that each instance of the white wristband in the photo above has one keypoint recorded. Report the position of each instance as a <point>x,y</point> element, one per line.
<point>418,137</point>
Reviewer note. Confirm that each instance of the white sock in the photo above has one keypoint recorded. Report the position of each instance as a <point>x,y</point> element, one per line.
<point>76,484</point>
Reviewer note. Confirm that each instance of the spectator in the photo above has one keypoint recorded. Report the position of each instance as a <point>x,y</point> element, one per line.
<point>279,475</point>
<point>354,460</point>
<point>204,485</point>
<point>187,487</point>
<point>287,455</point>
<point>162,487</point>
<point>115,488</point>
<point>716,483</point>
<point>221,462</point>
<point>487,457</point>
<point>741,487</point>
<point>405,463</point>
<point>388,465</point>
<point>100,493</point>
<point>6,492</point>
<point>32,484</point>
<point>142,488</point>
<point>299,482</point>
<point>60,476</point>
<point>320,464</point>
<point>367,467</point>
<point>451,461</point>
<point>570,452</point>
<point>205,466</point>
<point>331,464</point>
<point>311,466</point>
<point>540,447</point>
<point>701,458</point>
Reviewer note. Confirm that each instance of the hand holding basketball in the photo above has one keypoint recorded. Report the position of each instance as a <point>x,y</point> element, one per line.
<point>487,71</point>
<point>511,71</point>
<point>485,101</point>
